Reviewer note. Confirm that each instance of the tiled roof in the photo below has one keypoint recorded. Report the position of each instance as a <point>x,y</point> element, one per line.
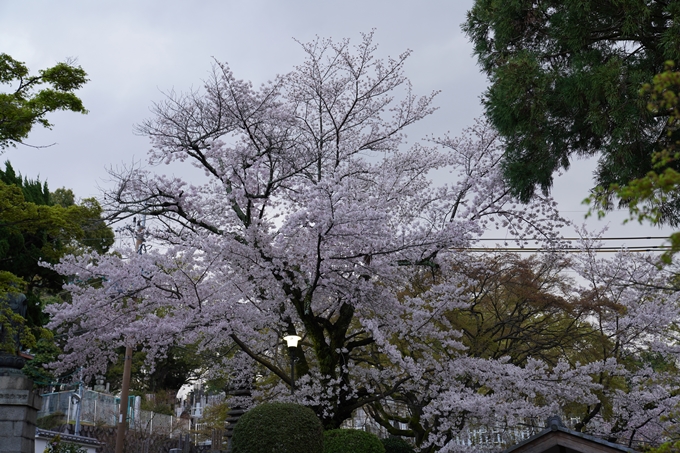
<point>68,437</point>
<point>554,428</point>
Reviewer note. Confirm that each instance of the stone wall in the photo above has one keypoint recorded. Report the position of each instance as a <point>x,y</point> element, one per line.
<point>19,406</point>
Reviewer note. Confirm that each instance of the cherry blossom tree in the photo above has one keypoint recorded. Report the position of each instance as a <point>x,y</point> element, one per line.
<point>510,370</point>
<point>313,216</point>
<point>635,308</point>
<point>599,348</point>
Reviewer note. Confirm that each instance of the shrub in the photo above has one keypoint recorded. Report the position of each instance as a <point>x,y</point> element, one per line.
<point>280,428</point>
<point>56,445</point>
<point>351,441</point>
<point>52,421</point>
<point>396,445</point>
<point>214,417</point>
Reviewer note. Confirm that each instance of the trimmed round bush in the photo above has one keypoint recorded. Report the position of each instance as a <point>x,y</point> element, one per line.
<point>351,441</point>
<point>396,445</point>
<point>278,428</point>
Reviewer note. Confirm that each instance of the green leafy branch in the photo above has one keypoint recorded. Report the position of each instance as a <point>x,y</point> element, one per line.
<point>29,101</point>
<point>648,197</point>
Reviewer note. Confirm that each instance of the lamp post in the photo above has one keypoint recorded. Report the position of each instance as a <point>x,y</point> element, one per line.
<point>292,341</point>
<point>124,392</point>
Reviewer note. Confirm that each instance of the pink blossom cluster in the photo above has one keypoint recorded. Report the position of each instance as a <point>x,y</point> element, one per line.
<point>314,214</point>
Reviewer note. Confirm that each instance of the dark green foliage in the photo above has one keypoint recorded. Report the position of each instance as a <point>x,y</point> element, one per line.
<point>63,197</point>
<point>179,366</point>
<point>52,421</point>
<point>45,351</point>
<point>278,428</point>
<point>28,100</point>
<point>647,197</point>
<point>351,441</point>
<point>33,229</point>
<point>396,445</point>
<point>36,229</point>
<point>565,77</point>
<point>33,190</point>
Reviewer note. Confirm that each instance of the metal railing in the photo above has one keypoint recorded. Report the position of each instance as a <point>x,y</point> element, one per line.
<point>101,409</point>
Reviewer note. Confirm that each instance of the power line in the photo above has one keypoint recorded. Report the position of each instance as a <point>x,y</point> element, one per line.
<point>572,249</point>
<point>622,238</point>
<point>637,249</point>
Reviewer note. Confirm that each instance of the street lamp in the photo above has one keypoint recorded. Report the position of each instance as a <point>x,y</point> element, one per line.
<point>292,340</point>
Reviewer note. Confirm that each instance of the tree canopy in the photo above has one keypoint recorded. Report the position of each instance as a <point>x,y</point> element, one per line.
<point>565,79</point>
<point>648,197</point>
<point>312,213</point>
<point>315,216</point>
<point>29,98</point>
<point>39,227</point>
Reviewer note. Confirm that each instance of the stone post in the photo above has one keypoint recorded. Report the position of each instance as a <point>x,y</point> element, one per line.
<point>19,406</point>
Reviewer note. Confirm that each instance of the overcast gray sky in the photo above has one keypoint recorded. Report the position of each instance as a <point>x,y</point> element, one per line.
<point>135,50</point>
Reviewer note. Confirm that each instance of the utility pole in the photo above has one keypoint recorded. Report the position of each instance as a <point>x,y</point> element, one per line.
<point>139,234</point>
<point>139,231</point>
<point>124,394</point>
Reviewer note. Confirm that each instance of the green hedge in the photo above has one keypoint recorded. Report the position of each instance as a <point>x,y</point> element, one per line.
<point>396,445</point>
<point>351,441</point>
<point>279,428</point>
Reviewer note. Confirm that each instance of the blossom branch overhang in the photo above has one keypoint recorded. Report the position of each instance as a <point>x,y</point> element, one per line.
<point>258,358</point>
<point>299,224</point>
